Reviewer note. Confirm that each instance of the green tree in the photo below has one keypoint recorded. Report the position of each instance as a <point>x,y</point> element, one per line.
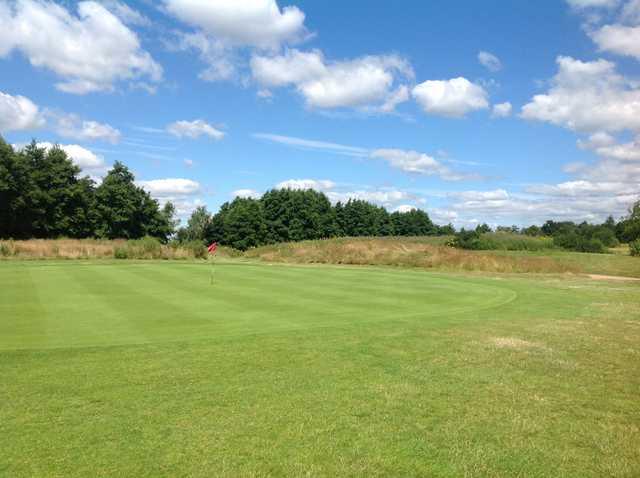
<point>244,224</point>
<point>197,228</point>
<point>126,210</point>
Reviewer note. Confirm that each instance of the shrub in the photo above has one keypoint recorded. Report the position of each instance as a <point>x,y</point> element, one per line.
<point>501,241</point>
<point>5,249</point>
<point>120,253</point>
<point>634,248</point>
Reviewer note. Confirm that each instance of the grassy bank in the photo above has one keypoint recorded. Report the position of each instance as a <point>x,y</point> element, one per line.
<point>430,253</point>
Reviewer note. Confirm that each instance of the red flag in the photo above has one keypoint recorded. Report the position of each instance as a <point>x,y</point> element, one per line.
<point>212,248</point>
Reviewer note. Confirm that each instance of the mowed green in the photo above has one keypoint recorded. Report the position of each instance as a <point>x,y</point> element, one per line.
<point>148,369</point>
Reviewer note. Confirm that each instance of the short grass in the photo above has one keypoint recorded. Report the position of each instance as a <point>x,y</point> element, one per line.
<point>145,369</point>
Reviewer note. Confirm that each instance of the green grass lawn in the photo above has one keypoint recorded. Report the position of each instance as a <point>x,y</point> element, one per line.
<point>145,369</point>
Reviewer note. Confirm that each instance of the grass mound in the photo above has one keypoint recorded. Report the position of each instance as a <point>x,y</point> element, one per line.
<point>416,252</point>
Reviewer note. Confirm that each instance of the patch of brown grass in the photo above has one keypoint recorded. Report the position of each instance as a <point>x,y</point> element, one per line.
<point>87,249</point>
<point>405,253</point>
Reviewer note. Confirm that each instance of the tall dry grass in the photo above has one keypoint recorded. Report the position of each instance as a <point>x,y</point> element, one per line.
<point>406,253</point>
<point>146,248</point>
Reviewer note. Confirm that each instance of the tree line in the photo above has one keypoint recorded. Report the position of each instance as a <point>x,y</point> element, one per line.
<point>579,237</point>
<point>42,195</point>
<point>286,215</point>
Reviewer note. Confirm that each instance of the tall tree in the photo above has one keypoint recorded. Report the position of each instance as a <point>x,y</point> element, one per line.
<point>126,210</point>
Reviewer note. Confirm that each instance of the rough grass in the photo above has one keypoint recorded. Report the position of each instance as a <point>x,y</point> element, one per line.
<point>146,248</point>
<point>431,253</point>
<point>292,371</point>
<point>405,253</point>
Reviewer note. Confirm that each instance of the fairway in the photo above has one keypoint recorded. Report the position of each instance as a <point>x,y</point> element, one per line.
<point>73,305</point>
<point>146,369</point>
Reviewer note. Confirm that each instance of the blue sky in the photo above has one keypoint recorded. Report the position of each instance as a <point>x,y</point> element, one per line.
<point>491,111</point>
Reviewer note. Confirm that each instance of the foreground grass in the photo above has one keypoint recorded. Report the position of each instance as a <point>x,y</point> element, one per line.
<point>289,371</point>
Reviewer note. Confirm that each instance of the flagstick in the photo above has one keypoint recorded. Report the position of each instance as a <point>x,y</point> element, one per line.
<point>211,274</point>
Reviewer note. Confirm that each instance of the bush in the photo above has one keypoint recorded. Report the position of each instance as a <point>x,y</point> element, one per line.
<point>196,248</point>
<point>120,253</point>
<point>634,248</point>
<point>5,249</point>
<point>501,241</point>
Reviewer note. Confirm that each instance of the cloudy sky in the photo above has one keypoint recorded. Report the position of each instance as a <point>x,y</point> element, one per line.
<point>505,112</point>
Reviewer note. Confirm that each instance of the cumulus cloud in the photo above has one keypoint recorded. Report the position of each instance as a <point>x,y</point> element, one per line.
<point>416,163</point>
<point>588,97</point>
<point>489,61</point>
<point>89,162</point>
<point>317,184</point>
<point>223,28</point>
<point>72,126</point>
<point>502,110</point>
<point>450,98</point>
<point>619,39</point>
<point>405,208</point>
<point>194,129</point>
<point>18,113</point>
<point>170,187</point>
<point>91,50</point>
<point>365,82</point>
<point>246,193</point>
<point>255,23</point>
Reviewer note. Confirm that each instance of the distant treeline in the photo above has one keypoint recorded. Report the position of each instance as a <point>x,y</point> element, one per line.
<point>286,215</point>
<point>583,237</point>
<point>42,195</point>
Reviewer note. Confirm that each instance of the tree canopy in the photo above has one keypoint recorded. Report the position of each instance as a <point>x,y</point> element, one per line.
<point>42,195</point>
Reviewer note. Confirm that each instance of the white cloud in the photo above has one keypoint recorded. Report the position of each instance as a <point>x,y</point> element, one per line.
<point>502,110</point>
<point>219,57</point>
<point>89,162</point>
<point>125,13</point>
<point>255,23</point>
<point>408,161</point>
<point>246,193</point>
<point>588,97</point>
<point>415,162</point>
<point>18,113</point>
<point>366,82</point>
<point>405,208</point>
<point>313,144</point>
<point>585,188</point>
<point>317,184</point>
<point>496,194</point>
<point>606,146</point>
<point>194,129</point>
<point>489,61</point>
<point>72,126</point>
<point>618,39</point>
<point>631,12</point>
<point>188,163</point>
<point>386,197</point>
<point>170,187</point>
<point>90,51</point>
<point>450,98</point>
<point>582,4</point>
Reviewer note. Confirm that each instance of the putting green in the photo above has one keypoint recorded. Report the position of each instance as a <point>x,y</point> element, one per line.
<point>48,305</point>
